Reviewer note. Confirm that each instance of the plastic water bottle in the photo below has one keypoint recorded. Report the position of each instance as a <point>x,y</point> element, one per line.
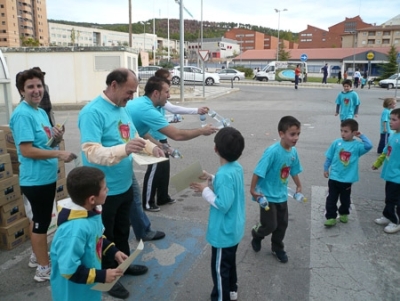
<point>176,154</point>
<point>298,196</point>
<point>263,202</point>
<point>221,121</point>
<point>203,120</point>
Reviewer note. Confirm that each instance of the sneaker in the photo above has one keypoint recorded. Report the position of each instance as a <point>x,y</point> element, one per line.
<point>280,255</point>
<point>330,222</point>
<point>256,244</point>
<point>392,228</point>
<point>42,273</point>
<point>382,221</point>
<point>233,296</point>
<point>153,208</point>
<point>33,261</point>
<point>168,202</point>
<point>153,235</point>
<point>344,218</point>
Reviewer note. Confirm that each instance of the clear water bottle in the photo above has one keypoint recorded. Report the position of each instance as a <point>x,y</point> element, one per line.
<point>221,121</point>
<point>203,119</point>
<point>176,154</point>
<point>263,202</point>
<point>298,196</point>
<point>215,115</point>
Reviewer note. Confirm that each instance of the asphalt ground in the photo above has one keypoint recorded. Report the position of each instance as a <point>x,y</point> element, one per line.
<point>353,261</point>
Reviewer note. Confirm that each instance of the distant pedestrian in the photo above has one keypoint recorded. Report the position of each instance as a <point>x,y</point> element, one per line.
<point>357,77</point>
<point>339,77</point>
<point>347,102</point>
<point>345,75</point>
<point>297,73</point>
<point>388,105</point>
<point>227,216</point>
<point>325,73</point>
<point>363,81</point>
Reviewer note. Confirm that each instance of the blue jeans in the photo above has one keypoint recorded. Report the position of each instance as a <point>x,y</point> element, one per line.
<point>139,220</point>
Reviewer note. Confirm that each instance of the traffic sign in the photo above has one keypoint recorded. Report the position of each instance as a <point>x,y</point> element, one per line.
<point>203,54</point>
<point>304,57</point>
<point>398,58</point>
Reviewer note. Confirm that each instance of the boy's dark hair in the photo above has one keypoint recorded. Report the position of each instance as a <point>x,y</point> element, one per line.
<point>229,143</point>
<point>83,182</point>
<point>347,82</point>
<point>396,112</point>
<point>23,76</point>
<point>163,72</point>
<point>286,122</point>
<point>351,123</point>
<point>154,83</point>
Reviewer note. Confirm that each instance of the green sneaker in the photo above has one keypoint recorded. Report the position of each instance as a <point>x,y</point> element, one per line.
<point>344,218</point>
<point>330,222</point>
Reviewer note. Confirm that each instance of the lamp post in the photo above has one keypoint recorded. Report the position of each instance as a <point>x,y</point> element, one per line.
<point>144,35</point>
<point>279,19</point>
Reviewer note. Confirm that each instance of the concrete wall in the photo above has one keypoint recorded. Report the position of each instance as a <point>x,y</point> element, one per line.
<point>73,77</point>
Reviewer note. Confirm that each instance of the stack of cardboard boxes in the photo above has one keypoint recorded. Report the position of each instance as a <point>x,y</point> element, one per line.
<point>14,225</point>
<point>17,229</point>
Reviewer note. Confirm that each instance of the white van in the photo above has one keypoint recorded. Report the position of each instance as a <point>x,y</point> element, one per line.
<point>281,71</point>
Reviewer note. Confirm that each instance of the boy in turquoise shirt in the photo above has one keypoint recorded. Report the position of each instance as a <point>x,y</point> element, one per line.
<point>342,160</point>
<point>347,102</point>
<point>270,179</point>
<point>79,245</point>
<point>227,217</point>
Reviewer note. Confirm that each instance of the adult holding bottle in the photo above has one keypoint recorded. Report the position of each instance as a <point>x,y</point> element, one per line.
<point>31,130</point>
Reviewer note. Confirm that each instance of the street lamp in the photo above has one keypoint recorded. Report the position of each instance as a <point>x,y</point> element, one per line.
<point>144,34</point>
<point>279,19</point>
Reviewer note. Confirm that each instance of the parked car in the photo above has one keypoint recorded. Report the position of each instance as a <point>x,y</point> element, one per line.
<point>231,74</point>
<point>390,82</point>
<point>147,72</point>
<point>193,74</point>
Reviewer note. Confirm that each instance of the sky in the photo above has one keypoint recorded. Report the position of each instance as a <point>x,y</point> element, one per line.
<point>299,14</point>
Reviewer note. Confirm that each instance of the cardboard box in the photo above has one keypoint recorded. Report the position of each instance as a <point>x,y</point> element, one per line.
<point>14,234</point>
<point>5,167</point>
<point>9,190</point>
<point>54,216</point>
<point>8,136</point>
<point>61,189</point>
<point>13,155</point>
<point>11,212</point>
<point>3,144</point>
<point>61,170</point>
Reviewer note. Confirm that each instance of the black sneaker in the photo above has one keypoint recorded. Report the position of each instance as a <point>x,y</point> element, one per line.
<point>136,270</point>
<point>280,256</point>
<point>153,208</point>
<point>119,291</point>
<point>153,235</point>
<point>169,201</point>
<point>256,244</point>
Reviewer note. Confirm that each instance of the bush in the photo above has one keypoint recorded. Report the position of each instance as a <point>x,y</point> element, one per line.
<point>248,72</point>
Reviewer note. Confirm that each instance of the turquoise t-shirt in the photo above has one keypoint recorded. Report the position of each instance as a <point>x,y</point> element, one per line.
<point>273,170</point>
<point>104,123</point>
<point>344,157</point>
<point>226,224</point>
<point>156,134</point>
<point>385,117</point>
<point>348,101</point>
<point>391,165</point>
<point>32,125</point>
<point>145,115</point>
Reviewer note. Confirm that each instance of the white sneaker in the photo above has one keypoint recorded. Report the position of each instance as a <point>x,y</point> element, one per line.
<point>234,296</point>
<point>392,228</point>
<point>382,221</point>
<point>42,273</point>
<point>33,261</point>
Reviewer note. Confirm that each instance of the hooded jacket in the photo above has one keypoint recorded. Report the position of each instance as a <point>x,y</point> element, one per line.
<point>76,253</point>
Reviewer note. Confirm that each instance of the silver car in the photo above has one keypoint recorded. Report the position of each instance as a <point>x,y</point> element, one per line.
<point>231,74</point>
<point>147,72</point>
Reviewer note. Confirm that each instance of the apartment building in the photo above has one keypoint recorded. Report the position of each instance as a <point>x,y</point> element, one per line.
<point>218,48</point>
<point>21,20</point>
<point>379,36</point>
<point>314,37</point>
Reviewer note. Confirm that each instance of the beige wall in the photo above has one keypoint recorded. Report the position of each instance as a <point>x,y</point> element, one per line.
<point>72,77</point>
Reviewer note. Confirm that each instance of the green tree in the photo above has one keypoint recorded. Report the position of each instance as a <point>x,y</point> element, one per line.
<point>391,66</point>
<point>73,36</point>
<point>283,55</point>
<point>140,60</point>
<point>29,42</point>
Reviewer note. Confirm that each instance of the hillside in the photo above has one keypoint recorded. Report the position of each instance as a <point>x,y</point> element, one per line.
<point>192,28</point>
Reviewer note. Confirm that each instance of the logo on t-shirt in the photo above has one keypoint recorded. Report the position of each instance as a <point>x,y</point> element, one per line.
<point>47,131</point>
<point>285,171</point>
<point>388,152</point>
<point>346,101</point>
<point>124,131</point>
<point>344,157</point>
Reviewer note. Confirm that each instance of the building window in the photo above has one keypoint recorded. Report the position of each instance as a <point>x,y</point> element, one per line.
<point>378,33</point>
<point>363,42</point>
<point>386,33</point>
<point>396,41</point>
<point>371,42</point>
<point>3,22</point>
<point>386,41</point>
<point>378,41</point>
<point>364,33</point>
<point>250,35</point>
<point>323,40</point>
<point>371,33</point>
